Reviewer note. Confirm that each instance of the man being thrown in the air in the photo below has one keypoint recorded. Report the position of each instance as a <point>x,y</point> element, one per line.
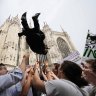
<point>34,36</point>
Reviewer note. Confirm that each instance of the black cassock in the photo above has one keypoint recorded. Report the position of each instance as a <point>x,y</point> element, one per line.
<point>34,36</point>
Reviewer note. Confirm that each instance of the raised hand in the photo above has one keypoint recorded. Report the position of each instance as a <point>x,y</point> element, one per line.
<point>24,62</point>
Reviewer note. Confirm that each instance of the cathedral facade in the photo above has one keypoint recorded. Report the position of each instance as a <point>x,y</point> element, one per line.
<point>12,48</point>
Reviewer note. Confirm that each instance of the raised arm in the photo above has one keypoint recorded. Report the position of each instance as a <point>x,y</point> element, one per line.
<point>14,76</point>
<point>10,79</point>
<point>28,83</point>
<point>24,62</point>
<point>38,83</point>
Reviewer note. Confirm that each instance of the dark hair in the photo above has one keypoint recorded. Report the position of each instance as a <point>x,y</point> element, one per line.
<point>92,63</point>
<point>1,64</point>
<point>74,73</point>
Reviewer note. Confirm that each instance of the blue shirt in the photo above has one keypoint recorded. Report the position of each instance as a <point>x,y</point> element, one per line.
<point>8,80</point>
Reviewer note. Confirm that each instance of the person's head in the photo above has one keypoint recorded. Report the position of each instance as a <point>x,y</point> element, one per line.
<point>73,72</point>
<point>89,71</point>
<point>55,68</point>
<point>91,64</point>
<point>3,69</point>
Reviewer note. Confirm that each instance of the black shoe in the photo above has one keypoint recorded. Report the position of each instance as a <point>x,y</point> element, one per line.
<point>23,16</point>
<point>36,16</point>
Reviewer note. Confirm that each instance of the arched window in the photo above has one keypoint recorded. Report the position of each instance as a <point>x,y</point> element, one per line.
<point>63,47</point>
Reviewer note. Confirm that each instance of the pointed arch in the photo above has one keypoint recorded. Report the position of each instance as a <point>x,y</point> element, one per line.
<point>63,47</point>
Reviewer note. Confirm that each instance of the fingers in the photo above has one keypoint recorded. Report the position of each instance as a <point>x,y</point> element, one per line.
<point>36,66</point>
<point>31,71</point>
<point>26,55</point>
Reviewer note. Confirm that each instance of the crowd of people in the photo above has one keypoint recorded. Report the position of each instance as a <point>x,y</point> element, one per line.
<point>66,79</point>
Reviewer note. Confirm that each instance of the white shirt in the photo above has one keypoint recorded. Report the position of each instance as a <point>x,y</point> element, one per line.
<point>62,87</point>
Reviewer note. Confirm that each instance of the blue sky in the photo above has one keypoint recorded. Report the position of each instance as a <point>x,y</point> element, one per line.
<point>75,16</point>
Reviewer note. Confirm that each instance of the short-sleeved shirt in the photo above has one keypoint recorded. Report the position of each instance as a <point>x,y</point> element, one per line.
<point>62,87</point>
